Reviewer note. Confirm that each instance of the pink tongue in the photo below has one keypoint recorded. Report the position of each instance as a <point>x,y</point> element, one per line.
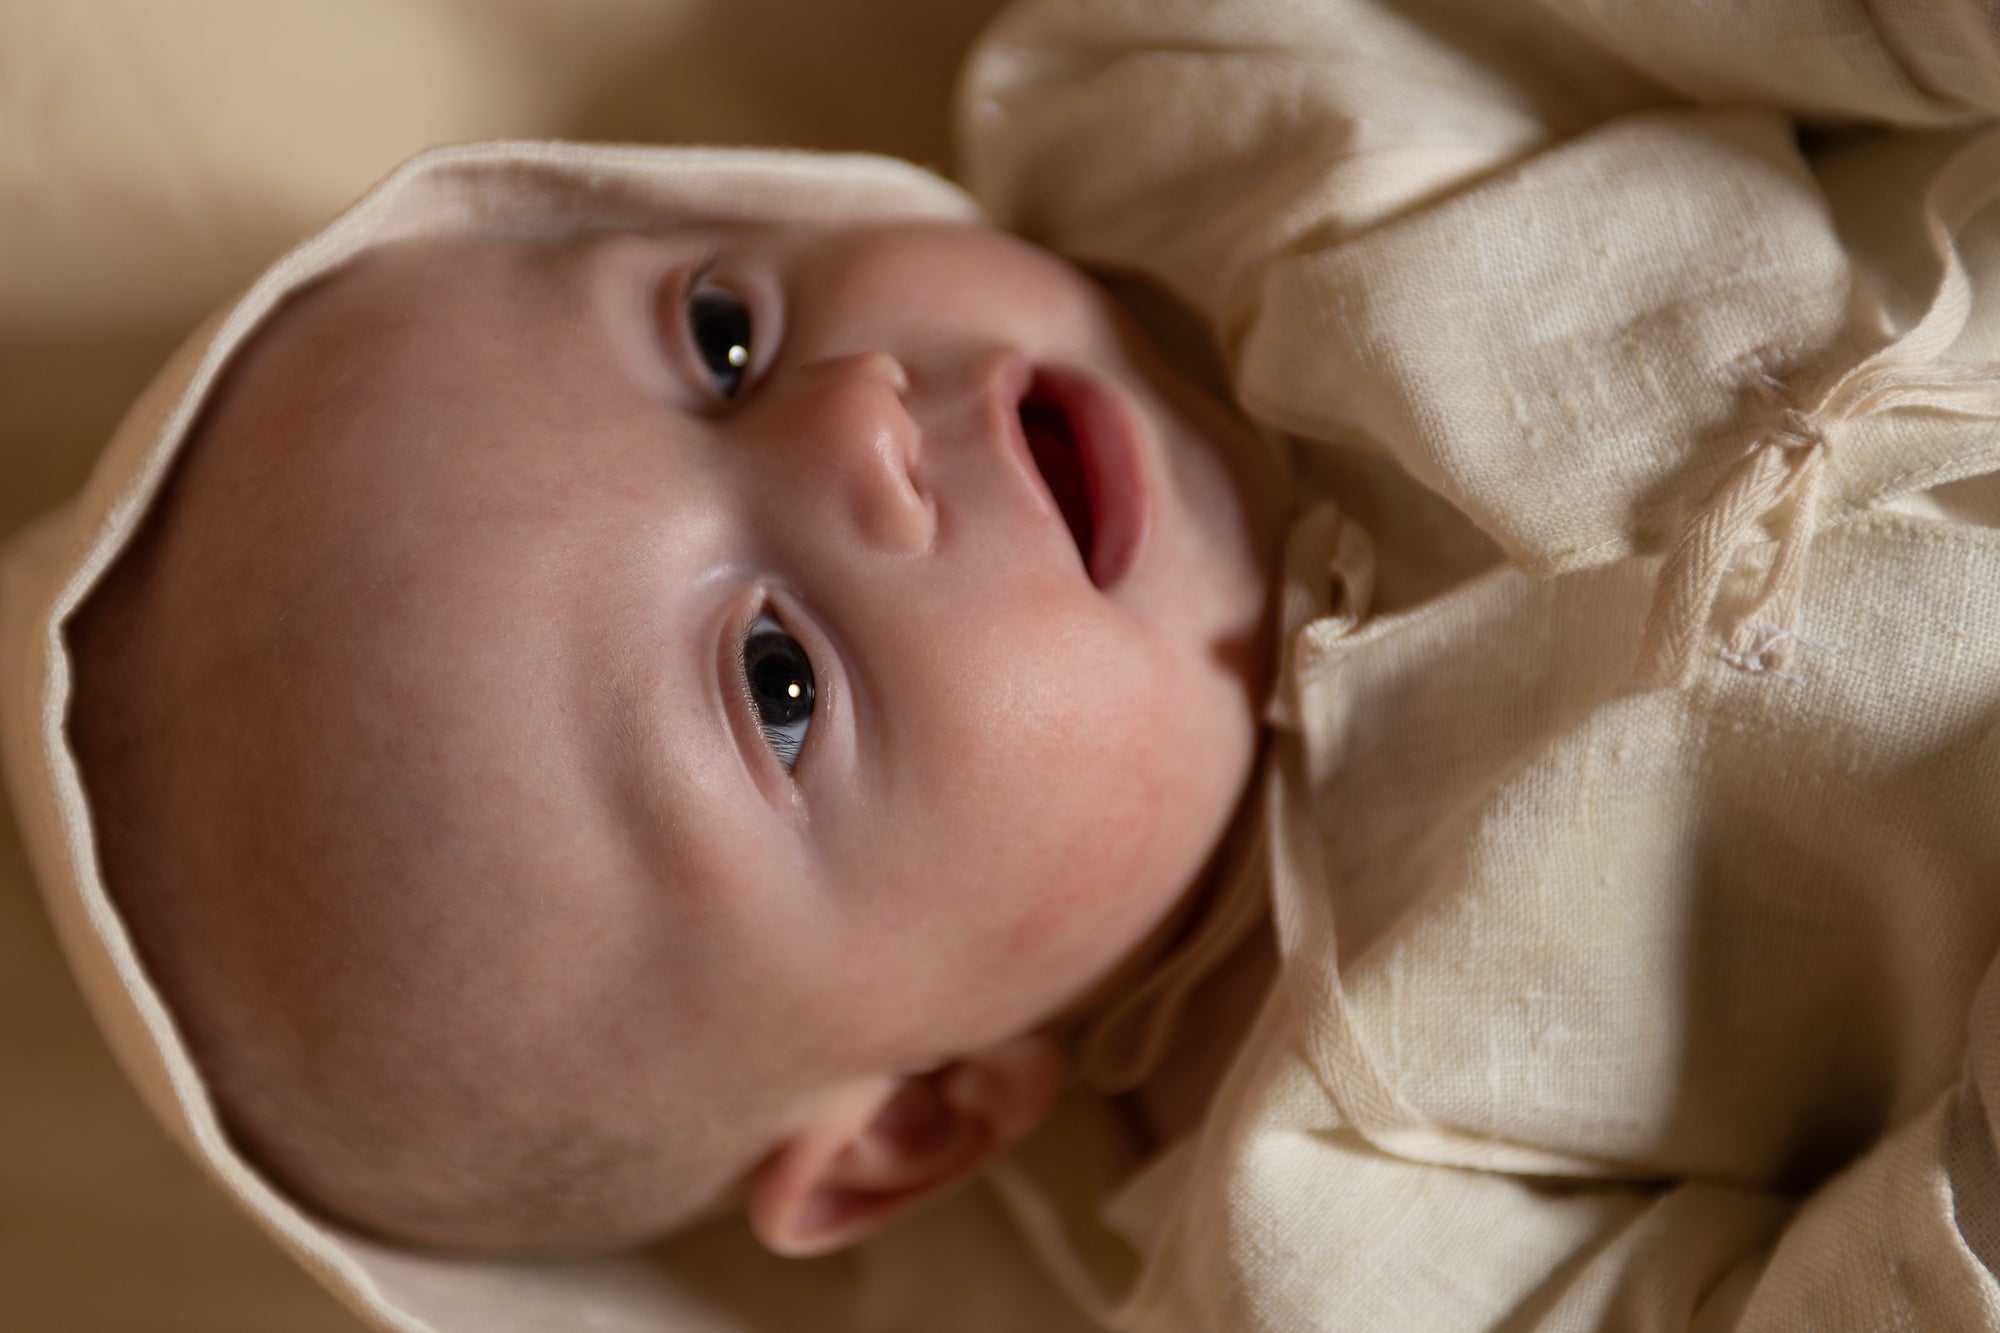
<point>1055,455</point>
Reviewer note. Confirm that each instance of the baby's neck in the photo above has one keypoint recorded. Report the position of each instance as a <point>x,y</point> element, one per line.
<point>1173,1100</point>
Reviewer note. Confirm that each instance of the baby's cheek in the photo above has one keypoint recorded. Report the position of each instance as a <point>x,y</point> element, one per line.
<point>1089,800</point>
<point>1107,882</point>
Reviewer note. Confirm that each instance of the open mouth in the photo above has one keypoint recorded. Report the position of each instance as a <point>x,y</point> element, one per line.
<point>1053,443</point>
<point>1085,443</point>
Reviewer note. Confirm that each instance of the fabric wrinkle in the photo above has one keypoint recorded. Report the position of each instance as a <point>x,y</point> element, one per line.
<point>1789,460</point>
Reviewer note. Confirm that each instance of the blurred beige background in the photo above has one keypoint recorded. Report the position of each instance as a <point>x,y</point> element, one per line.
<point>154,156</point>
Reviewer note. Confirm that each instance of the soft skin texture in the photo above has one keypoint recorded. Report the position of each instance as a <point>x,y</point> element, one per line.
<point>471,826</point>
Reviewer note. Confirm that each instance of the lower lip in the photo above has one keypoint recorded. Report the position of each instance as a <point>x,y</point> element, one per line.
<point>1106,436</point>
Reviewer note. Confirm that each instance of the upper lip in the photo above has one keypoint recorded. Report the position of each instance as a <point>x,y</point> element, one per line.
<point>1007,386</point>
<point>1098,421</point>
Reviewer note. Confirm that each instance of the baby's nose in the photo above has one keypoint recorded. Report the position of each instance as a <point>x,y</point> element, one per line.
<point>875,365</point>
<point>857,420</point>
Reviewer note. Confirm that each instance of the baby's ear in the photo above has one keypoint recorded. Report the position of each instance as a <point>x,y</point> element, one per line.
<point>877,1149</point>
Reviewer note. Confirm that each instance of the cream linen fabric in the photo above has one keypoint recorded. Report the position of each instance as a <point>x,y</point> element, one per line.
<point>718,1281</point>
<point>1636,862</point>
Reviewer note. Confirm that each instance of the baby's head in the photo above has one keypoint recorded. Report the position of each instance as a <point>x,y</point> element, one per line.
<point>599,734</point>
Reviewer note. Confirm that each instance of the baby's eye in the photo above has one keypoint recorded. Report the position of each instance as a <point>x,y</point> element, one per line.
<point>719,326</point>
<point>779,681</point>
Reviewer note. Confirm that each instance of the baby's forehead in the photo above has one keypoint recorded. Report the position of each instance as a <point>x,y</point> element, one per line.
<point>385,309</point>
<point>352,477</point>
<point>383,315</point>
<point>392,287</point>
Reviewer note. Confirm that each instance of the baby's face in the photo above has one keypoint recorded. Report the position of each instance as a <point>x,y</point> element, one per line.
<point>724,685</point>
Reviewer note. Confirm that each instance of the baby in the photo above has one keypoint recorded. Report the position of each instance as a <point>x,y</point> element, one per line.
<point>605,732</point>
<point>632,709</point>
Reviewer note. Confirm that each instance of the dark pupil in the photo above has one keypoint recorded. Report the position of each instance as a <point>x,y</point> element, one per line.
<point>719,323</point>
<point>777,668</point>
